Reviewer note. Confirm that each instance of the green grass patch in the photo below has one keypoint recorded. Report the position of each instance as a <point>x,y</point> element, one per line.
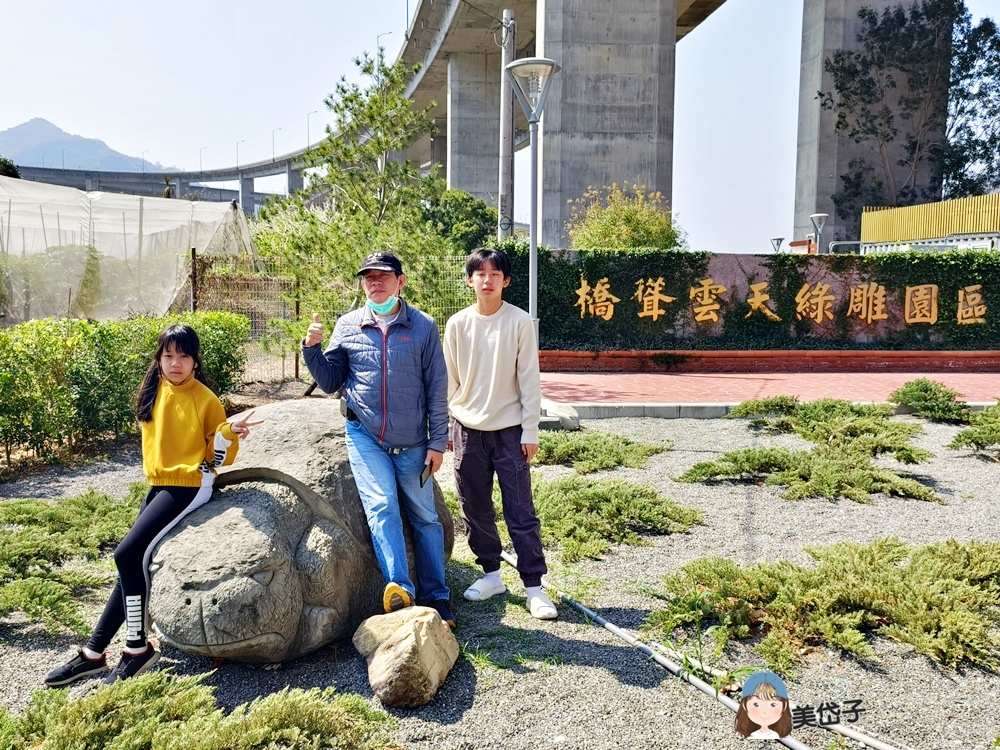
<point>983,433</point>
<point>942,598</point>
<point>37,538</point>
<point>162,712</point>
<point>931,400</point>
<point>588,450</point>
<point>583,517</point>
<point>847,437</point>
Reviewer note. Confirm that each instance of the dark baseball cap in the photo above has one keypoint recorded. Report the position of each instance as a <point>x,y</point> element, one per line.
<point>381,261</point>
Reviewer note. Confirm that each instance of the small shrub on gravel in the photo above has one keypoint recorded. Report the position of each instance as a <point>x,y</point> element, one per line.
<point>931,400</point>
<point>163,712</point>
<point>941,598</point>
<point>588,450</point>
<point>37,537</point>
<point>584,517</point>
<point>984,432</point>
<point>848,436</point>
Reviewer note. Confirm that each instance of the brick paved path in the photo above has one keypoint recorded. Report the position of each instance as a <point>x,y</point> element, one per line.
<point>722,388</point>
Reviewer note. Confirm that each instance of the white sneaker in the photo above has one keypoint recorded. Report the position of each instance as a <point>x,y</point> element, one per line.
<point>541,607</point>
<point>483,589</point>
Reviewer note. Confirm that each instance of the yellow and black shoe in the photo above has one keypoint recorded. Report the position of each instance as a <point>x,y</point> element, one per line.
<point>396,598</point>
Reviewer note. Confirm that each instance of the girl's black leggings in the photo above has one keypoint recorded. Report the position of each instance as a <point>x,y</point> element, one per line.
<point>160,512</point>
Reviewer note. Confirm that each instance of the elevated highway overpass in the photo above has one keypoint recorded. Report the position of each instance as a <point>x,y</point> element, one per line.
<point>610,112</point>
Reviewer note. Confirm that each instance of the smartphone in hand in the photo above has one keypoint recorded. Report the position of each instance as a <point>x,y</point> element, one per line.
<point>425,474</point>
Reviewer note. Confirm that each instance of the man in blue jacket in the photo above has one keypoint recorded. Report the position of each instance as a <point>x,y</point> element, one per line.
<point>386,359</point>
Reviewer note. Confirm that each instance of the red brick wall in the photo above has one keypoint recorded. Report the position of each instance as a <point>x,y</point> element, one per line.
<point>770,361</point>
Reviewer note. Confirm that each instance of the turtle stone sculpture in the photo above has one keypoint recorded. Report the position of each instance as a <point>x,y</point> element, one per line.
<point>280,561</point>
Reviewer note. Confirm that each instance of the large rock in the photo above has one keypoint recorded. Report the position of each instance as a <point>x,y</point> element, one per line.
<point>409,654</point>
<point>280,561</point>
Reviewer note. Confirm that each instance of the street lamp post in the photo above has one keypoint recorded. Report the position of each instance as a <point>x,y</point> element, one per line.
<point>64,159</point>
<point>242,140</point>
<point>200,150</point>
<point>818,222</point>
<point>272,143</point>
<point>776,243</point>
<point>142,157</point>
<point>308,140</point>
<point>530,79</point>
<point>379,36</point>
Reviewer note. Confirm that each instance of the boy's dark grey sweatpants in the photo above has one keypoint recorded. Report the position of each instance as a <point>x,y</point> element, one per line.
<point>478,456</point>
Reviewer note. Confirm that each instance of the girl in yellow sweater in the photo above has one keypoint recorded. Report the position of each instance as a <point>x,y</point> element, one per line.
<point>185,435</point>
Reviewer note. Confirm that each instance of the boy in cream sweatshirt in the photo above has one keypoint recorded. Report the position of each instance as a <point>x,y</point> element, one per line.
<point>494,397</point>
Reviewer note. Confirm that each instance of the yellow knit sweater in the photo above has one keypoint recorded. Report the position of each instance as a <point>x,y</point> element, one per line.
<point>187,437</point>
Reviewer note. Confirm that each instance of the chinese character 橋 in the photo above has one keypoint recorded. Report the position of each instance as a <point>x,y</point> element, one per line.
<point>921,304</point>
<point>970,305</point>
<point>705,295</point>
<point>597,300</point>
<point>650,296</point>
<point>757,299</point>
<point>868,302</point>
<point>814,304</point>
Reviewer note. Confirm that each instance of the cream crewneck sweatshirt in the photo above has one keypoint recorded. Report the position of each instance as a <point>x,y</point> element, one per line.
<point>493,377</point>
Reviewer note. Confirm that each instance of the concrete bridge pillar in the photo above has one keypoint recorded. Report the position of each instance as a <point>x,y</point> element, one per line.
<point>439,149</point>
<point>610,112</point>
<point>474,124</point>
<point>294,178</point>
<point>92,184</point>
<point>823,156</point>
<point>181,188</point>
<point>246,194</point>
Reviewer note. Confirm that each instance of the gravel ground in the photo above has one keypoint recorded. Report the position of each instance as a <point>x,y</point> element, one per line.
<point>570,684</point>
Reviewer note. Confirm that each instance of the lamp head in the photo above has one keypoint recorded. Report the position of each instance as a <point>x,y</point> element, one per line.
<point>818,221</point>
<point>530,78</point>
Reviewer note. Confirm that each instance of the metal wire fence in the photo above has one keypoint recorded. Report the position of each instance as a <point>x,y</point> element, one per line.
<point>266,293</point>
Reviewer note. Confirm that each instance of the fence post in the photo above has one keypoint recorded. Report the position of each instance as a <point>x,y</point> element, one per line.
<point>297,348</point>
<point>194,280</point>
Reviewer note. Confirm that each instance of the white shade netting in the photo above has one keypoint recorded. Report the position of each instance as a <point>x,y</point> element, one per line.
<point>104,255</point>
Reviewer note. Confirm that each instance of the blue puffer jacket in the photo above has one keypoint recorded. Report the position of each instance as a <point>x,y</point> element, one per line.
<point>396,383</point>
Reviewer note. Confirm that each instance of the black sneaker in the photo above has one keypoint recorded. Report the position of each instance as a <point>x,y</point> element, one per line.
<point>396,598</point>
<point>444,609</point>
<point>133,664</point>
<point>76,668</point>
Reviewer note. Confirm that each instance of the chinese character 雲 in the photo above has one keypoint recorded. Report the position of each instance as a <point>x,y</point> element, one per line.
<point>650,295</point>
<point>705,295</point>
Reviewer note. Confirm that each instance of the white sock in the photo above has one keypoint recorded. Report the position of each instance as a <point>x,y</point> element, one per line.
<point>494,578</point>
<point>133,650</point>
<point>531,591</point>
<point>92,655</point>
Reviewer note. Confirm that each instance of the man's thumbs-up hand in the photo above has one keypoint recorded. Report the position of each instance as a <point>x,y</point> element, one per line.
<point>315,333</point>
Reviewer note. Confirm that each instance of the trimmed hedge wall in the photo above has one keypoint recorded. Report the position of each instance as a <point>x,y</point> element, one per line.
<point>67,381</point>
<point>794,284</point>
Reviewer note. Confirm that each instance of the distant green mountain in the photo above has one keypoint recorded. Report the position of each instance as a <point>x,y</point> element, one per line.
<point>39,143</point>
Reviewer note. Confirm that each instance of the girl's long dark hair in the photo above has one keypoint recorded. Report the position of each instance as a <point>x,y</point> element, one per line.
<point>184,339</point>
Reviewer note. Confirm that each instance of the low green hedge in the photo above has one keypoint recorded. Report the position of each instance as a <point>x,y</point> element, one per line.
<point>67,381</point>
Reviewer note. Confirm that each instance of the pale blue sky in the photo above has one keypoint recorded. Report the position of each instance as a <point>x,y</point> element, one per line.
<point>188,78</point>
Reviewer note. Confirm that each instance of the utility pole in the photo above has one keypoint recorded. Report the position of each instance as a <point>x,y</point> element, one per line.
<point>505,207</point>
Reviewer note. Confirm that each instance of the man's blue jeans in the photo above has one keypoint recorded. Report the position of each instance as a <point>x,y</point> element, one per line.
<point>377,472</point>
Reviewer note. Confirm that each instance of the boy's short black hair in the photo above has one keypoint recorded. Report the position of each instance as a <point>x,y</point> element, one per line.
<point>479,258</point>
